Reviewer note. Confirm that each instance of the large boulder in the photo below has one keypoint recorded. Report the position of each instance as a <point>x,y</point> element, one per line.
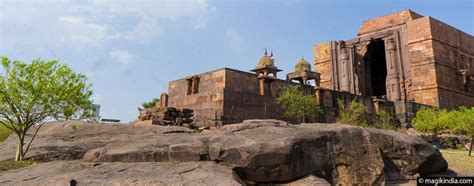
<point>72,139</point>
<point>116,173</point>
<point>258,151</point>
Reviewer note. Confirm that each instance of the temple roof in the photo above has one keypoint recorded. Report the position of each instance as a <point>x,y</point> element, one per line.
<point>387,21</point>
<point>302,65</point>
<point>266,60</point>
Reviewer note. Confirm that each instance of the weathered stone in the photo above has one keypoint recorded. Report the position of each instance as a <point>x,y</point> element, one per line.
<point>260,151</point>
<point>307,181</point>
<point>146,173</point>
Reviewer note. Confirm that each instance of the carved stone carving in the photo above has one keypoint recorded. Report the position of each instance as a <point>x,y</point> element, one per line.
<point>344,60</point>
<point>393,80</point>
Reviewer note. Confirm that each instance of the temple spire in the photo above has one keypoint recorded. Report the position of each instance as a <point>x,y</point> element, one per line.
<point>265,52</point>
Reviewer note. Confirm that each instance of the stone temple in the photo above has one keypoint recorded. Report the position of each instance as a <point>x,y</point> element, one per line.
<point>399,61</point>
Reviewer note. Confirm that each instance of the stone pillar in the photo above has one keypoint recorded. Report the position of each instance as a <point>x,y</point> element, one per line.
<point>305,80</point>
<point>261,86</point>
<point>344,60</point>
<point>319,96</point>
<point>163,100</point>
<point>393,79</point>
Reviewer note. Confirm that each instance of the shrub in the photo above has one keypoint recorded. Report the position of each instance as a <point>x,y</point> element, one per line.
<point>355,113</point>
<point>297,104</point>
<point>385,120</point>
<point>435,120</point>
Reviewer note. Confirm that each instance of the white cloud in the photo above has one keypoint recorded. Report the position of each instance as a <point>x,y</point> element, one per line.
<point>85,24</point>
<point>234,39</point>
<point>194,11</point>
<point>146,30</point>
<point>122,56</point>
<point>77,30</point>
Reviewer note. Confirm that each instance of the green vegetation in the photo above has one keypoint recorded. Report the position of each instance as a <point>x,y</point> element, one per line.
<point>149,104</point>
<point>434,120</point>
<point>297,104</point>
<point>39,91</point>
<point>4,133</point>
<point>355,113</point>
<point>10,165</point>
<point>74,127</point>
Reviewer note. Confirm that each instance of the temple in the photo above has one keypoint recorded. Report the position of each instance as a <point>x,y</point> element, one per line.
<point>398,62</point>
<point>403,58</point>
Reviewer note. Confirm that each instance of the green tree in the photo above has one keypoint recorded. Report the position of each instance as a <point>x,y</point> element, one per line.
<point>297,104</point>
<point>31,94</point>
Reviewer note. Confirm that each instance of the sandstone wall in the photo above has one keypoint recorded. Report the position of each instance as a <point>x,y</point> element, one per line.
<point>437,52</point>
<point>387,21</point>
<point>322,64</point>
<point>207,103</point>
<point>243,101</point>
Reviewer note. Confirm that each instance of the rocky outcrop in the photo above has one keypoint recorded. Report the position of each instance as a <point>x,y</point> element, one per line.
<point>144,173</point>
<point>258,151</point>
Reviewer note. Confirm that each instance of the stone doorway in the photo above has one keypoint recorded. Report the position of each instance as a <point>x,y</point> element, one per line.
<point>376,68</point>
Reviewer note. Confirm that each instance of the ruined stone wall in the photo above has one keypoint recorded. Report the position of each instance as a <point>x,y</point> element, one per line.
<point>243,101</point>
<point>207,103</point>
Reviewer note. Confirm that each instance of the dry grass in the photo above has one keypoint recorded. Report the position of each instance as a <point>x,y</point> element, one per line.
<point>458,159</point>
<point>10,165</point>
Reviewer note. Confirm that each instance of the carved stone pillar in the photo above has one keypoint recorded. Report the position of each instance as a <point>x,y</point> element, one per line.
<point>261,86</point>
<point>393,79</point>
<point>163,100</point>
<point>344,61</point>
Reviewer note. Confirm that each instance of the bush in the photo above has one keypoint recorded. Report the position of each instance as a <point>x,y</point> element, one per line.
<point>297,104</point>
<point>353,114</point>
<point>356,114</point>
<point>435,120</point>
<point>385,120</point>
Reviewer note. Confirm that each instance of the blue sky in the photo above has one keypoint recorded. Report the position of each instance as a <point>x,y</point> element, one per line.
<point>130,50</point>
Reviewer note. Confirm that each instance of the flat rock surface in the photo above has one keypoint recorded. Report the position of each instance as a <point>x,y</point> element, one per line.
<point>258,151</point>
<point>115,173</point>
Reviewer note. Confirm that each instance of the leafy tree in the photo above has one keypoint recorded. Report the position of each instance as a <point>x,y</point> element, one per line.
<point>297,104</point>
<point>31,94</point>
